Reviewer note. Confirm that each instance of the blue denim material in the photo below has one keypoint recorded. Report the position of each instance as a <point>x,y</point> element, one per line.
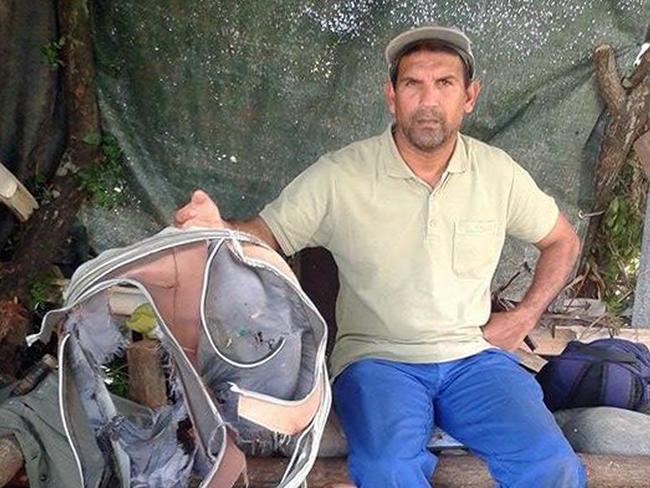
<point>486,401</point>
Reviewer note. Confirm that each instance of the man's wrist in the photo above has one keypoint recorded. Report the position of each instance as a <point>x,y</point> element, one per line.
<point>527,316</point>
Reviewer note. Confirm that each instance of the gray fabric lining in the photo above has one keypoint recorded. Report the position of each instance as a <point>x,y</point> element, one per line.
<point>250,313</point>
<point>141,441</point>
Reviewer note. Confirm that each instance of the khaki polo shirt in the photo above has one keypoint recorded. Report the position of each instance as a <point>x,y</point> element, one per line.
<point>415,262</point>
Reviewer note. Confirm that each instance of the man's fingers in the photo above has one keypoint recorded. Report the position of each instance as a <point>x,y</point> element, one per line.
<point>199,197</point>
<point>199,211</point>
<point>184,214</point>
<point>202,201</point>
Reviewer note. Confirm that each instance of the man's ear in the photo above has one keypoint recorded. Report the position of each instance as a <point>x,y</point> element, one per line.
<point>389,92</point>
<point>471,95</point>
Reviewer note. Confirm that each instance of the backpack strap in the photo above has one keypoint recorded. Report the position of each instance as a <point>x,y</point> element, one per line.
<point>231,467</point>
<point>602,354</point>
<point>619,387</point>
<point>612,371</point>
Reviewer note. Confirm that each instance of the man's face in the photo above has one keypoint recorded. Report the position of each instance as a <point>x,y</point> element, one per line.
<point>430,98</point>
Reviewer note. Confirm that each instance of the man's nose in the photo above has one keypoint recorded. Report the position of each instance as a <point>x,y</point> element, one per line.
<point>430,95</point>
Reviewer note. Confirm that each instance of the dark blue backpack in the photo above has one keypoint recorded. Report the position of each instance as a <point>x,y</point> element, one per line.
<point>606,372</point>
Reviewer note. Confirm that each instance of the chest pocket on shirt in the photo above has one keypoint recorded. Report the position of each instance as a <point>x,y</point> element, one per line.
<point>475,243</point>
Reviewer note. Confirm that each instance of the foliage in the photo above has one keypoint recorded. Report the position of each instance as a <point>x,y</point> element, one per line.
<point>52,52</point>
<point>117,377</point>
<point>44,291</point>
<point>39,187</point>
<point>106,181</point>
<point>617,251</point>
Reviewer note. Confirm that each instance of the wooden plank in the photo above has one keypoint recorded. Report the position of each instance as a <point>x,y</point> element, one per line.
<point>530,360</point>
<point>123,300</point>
<point>457,471</point>
<point>549,345</point>
<point>14,194</point>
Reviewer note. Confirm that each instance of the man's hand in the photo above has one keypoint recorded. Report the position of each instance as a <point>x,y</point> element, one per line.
<point>508,329</point>
<point>200,211</point>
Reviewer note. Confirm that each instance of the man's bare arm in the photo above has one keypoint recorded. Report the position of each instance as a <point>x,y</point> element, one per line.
<point>559,251</point>
<point>201,211</point>
<point>257,227</point>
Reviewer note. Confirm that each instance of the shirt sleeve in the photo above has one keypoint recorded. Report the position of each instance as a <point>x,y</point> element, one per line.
<point>531,212</point>
<point>300,216</point>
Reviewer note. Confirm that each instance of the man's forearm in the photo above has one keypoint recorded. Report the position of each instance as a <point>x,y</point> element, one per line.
<point>256,227</point>
<point>553,268</point>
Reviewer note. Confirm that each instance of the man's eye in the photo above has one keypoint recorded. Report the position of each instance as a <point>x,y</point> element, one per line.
<point>409,83</point>
<point>445,82</point>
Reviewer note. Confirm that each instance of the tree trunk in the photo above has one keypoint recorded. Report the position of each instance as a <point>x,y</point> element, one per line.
<point>42,239</point>
<point>628,105</point>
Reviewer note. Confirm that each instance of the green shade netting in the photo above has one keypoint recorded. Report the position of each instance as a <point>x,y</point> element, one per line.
<point>239,97</point>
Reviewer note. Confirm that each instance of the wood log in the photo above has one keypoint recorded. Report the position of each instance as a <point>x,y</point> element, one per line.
<point>11,459</point>
<point>14,194</point>
<point>458,471</point>
<point>146,377</point>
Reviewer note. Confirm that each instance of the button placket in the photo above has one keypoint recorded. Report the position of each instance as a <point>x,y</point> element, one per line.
<point>430,231</point>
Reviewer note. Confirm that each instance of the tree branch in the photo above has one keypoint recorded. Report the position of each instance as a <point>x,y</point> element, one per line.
<point>608,78</point>
<point>642,70</point>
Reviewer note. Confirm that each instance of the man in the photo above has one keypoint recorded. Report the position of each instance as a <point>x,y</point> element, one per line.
<point>415,219</point>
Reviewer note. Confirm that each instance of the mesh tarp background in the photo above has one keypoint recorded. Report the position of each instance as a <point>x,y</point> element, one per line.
<point>239,97</point>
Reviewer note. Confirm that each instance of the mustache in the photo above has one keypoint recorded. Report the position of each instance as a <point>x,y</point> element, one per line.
<point>427,114</point>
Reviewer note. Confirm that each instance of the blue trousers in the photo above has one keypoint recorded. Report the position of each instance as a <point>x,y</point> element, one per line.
<point>487,401</point>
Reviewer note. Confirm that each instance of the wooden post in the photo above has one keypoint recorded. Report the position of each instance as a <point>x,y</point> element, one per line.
<point>146,377</point>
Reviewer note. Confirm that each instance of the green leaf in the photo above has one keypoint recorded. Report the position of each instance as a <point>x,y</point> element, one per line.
<point>92,139</point>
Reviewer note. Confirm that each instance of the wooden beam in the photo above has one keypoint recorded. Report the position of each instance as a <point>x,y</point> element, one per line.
<point>15,196</point>
<point>458,471</point>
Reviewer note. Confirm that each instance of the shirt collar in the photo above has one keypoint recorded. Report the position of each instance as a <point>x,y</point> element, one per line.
<point>395,165</point>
